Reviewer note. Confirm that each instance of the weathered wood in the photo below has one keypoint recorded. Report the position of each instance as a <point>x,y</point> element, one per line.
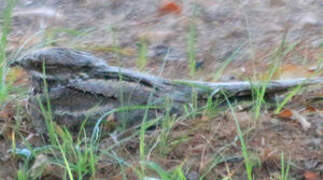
<point>81,86</point>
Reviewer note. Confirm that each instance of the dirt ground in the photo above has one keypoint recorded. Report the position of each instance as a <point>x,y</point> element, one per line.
<point>238,38</point>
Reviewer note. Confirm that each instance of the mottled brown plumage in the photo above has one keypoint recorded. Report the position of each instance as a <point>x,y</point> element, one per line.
<point>82,87</point>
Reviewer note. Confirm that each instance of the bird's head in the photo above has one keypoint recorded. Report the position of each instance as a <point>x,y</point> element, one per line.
<point>59,63</point>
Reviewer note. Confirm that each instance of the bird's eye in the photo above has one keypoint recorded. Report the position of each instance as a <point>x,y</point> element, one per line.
<point>36,64</point>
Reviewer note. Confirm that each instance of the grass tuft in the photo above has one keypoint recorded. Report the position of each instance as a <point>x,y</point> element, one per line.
<point>248,163</point>
<point>142,55</point>
<point>191,48</point>
<point>6,18</point>
<point>284,170</point>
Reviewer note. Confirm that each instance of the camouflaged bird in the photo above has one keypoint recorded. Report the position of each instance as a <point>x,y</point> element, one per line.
<point>83,87</point>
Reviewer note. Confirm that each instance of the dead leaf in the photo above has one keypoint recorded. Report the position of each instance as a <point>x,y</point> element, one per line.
<point>286,114</point>
<point>311,109</point>
<point>309,175</point>
<point>170,8</point>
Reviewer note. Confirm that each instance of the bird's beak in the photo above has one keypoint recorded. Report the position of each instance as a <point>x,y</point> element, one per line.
<point>17,62</point>
<point>14,63</point>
